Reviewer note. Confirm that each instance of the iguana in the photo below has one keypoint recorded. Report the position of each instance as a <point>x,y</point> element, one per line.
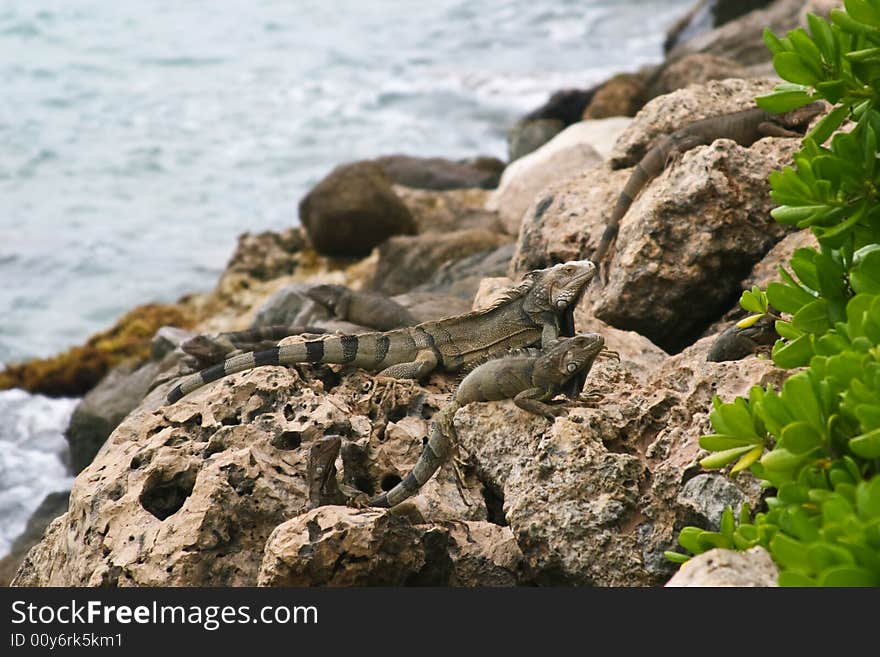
<point>366,308</point>
<point>530,378</point>
<point>212,347</point>
<point>531,313</point>
<point>744,127</point>
<point>737,342</point>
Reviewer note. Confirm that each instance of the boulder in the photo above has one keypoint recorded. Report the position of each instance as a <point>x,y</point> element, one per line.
<point>438,173</point>
<point>406,262</point>
<point>431,306</point>
<point>267,255</point>
<point>284,306</point>
<point>622,95</point>
<point>706,15</point>
<point>570,152</point>
<point>440,212</point>
<point>741,39</point>
<point>528,134</point>
<point>721,567</point>
<point>461,278</point>
<point>565,105</point>
<point>352,210</point>
<point>692,68</point>
<point>338,546</point>
<point>694,232</point>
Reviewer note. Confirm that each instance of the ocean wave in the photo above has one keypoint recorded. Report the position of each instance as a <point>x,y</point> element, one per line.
<point>33,456</point>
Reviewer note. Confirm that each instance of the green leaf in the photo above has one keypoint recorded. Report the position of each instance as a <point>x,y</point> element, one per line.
<point>774,45</point>
<point>866,445</point>
<point>747,459</point>
<point>751,320</point>
<point>801,437</point>
<point>789,553</point>
<point>689,539</point>
<point>830,122</point>
<point>754,300</point>
<point>727,523</point>
<point>780,460</point>
<point>795,214</point>
<point>794,68</point>
<point>783,101</point>
<point>862,12</point>
<point>849,24</point>
<point>845,576</point>
<point>796,353</point>
<point>795,579</point>
<point>787,298</point>
<point>676,557</point>
<point>719,442</point>
<point>812,318</point>
<point>865,276</point>
<point>720,459</point>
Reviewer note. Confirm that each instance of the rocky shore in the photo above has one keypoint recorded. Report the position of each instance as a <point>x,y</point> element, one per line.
<point>213,490</point>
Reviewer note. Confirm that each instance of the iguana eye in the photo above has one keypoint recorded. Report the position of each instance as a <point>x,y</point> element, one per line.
<point>571,367</point>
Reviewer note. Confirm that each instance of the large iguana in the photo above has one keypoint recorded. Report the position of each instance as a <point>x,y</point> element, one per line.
<point>532,313</point>
<point>744,127</point>
<point>531,379</point>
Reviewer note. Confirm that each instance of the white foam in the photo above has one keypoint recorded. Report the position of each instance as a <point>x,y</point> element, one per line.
<point>33,452</point>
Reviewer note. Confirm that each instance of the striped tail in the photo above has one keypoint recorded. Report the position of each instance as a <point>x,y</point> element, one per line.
<point>650,166</point>
<point>433,456</point>
<point>367,350</point>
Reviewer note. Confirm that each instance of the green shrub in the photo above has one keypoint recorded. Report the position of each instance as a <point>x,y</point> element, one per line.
<point>816,442</point>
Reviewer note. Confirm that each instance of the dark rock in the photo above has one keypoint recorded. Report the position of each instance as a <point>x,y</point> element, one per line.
<point>352,210</point>
<point>707,495</point>
<point>692,68</point>
<point>439,174</point>
<point>104,407</point>
<point>406,262</point>
<point>284,307</point>
<point>462,277</point>
<point>622,95</point>
<point>706,15</point>
<point>530,134</point>
<point>567,106</point>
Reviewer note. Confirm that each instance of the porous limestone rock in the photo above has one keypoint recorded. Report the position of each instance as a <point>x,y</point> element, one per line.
<point>339,546</point>
<point>454,209</point>
<point>720,567</point>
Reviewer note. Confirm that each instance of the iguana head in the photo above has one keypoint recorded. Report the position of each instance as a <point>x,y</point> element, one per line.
<point>801,117</point>
<point>571,356</point>
<point>559,286</point>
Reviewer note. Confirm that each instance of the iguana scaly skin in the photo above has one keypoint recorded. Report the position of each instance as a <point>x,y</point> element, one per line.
<point>366,308</point>
<point>529,314</point>
<point>531,379</point>
<point>744,127</point>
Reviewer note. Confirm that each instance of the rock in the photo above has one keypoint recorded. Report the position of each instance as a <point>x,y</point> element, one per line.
<point>707,495</point>
<point>622,95</point>
<point>438,173</point>
<point>693,233</point>
<point>461,278</point>
<point>706,15</point>
<point>267,255</point>
<point>166,340</point>
<point>352,210</point>
<point>188,494</point>
<point>741,39</point>
<point>767,269</point>
<point>284,306</point>
<point>591,499</point>
<point>527,135</point>
<point>566,106</point>
<point>721,567</point>
<point>338,546</point>
<point>50,508</point>
<point>431,306</point>
<point>405,262</point>
<point>692,68</point>
<point>104,407</point>
<point>568,153</point>
<point>440,212</point>
<point>76,371</point>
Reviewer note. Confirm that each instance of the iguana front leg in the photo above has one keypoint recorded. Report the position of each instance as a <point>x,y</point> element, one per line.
<point>534,401</point>
<point>770,129</point>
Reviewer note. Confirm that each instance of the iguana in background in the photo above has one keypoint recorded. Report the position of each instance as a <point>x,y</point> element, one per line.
<point>531,313</point>
<point>212,347</point>
<point>366,308</point>
<point>531,379</point>
<point>744,127</point>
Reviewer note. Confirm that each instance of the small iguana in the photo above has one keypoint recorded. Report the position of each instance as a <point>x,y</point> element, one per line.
<point>737,342</point>
<point>530,378</point>
<point>744,127</point>
<point>532,313</point>
<point>366,308</point>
